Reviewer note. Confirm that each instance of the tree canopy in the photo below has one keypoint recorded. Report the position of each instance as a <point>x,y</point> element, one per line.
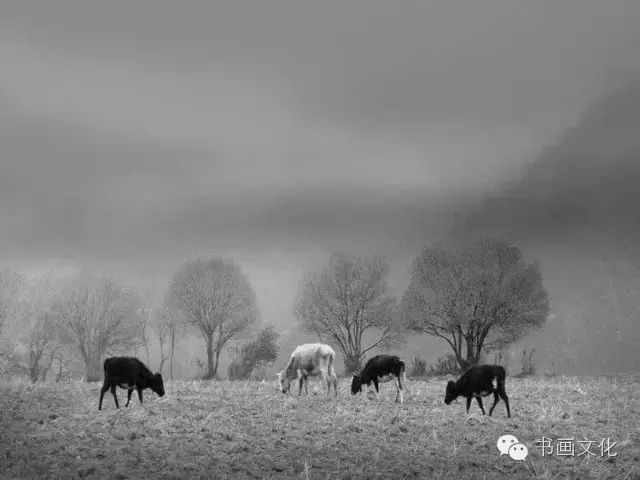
<point>478,295</point>
<point>216,298</point>
<point>350,303</point>
<point>261,351</point>
<point>99,317</point>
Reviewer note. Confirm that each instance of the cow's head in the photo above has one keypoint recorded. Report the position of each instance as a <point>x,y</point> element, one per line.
<point>283,382</point>
<point>157,385</point>
<point>451,393</point>
<point>356,385</point>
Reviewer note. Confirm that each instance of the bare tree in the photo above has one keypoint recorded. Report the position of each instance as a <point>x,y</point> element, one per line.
<point>148,322</point>
<point>62,358</point>
<point>348,301</point>
<point>482,295</point>
<point>215,297</point>
<point>161,328</point>
<point>11,284</point>
<point>38,332</point>
<point>145,325</point>
<point>168,327</point>
<point>41,345</point>
<point>100,318</point>
<point>176,322</point>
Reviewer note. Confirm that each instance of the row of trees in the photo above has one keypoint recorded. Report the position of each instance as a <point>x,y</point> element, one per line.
<point>474,297</point>
<point>50,328</point>
<point>47,327</point>
<point>53,327</point>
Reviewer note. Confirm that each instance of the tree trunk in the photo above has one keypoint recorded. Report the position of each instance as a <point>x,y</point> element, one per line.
<point>162,358</point>
<point>210,373</point>
<point>33,367</point>
<point>215,367</point>
<point>352,363</point>
<point>93,370</point>
<point>173,347</point>
<point>472,358</point>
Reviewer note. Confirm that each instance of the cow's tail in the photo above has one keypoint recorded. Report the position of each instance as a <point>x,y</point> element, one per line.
<point>105,367</point>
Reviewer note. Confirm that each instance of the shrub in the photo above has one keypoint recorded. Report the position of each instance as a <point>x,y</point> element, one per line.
<point>418,367</point>
<point>528,368</point>
<point>447,365</point>
<point>255,354</point>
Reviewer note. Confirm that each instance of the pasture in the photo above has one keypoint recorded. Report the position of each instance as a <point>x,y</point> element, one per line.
<point>248,430</point>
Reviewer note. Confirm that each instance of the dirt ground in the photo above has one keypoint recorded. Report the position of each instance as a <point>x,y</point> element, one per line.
<point>248,430</point>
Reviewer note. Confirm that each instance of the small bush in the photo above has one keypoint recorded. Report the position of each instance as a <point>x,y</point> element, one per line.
<point>418,367</point>
<point>500,358</point>
<point>253,355</point>
<point>447,365</point>
<point>528,368</point>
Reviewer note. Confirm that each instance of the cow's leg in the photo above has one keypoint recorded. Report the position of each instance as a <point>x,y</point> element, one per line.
<point>103,390</point>
<point>115,397</point>
<point>140,395</point>
<point>325,378</point>
<point>334,379</point>
<point>496,399</point>
<point>468,404</point>
<point>300,383</point>
<point>504,397</point>
<point>129,392</point>
<point>399,392</point>
<point>375,383</point>
<point>404,381</point>
<point>479,400</point>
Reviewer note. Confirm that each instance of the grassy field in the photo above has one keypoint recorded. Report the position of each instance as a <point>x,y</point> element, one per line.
<point>248,430</point>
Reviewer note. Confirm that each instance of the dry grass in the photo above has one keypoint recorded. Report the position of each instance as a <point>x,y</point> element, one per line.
<point>247,430</point>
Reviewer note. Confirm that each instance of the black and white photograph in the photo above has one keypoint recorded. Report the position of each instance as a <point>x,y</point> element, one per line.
<point>330,239</point>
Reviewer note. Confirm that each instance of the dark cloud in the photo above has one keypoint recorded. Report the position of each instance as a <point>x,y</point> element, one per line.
<point>585,184</point>
<point>404,68</point>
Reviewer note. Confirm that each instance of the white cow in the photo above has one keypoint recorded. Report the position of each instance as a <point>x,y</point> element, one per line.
<point>309,360</point>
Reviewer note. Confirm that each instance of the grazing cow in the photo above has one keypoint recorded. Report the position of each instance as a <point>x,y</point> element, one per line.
<point>309,360</point>
<point>478,382</point>
<point>129,373</point>
<point>381,369</point>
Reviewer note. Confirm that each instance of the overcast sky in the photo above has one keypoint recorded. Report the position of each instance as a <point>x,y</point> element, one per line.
<point>136,134</point>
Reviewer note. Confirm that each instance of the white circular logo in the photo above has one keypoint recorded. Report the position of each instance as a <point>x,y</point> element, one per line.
<point>505,442</point>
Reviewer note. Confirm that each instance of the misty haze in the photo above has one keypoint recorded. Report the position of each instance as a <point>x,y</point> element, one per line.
<point>209,187</point>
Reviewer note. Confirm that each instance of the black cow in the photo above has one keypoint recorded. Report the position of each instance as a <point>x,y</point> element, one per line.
<point>379,369</point>
<point>129,373</point>
<point>478,382</point>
